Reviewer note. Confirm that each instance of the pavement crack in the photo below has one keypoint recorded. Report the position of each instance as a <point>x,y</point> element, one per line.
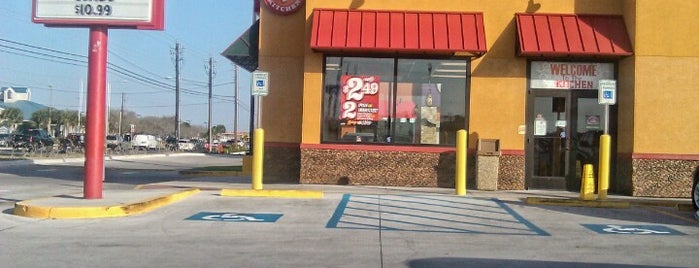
<point>8,228</point>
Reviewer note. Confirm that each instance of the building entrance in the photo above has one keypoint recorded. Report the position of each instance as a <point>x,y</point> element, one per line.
<point>562,134</point>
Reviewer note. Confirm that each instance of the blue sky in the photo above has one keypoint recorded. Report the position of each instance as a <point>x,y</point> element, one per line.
<point>204,28</point>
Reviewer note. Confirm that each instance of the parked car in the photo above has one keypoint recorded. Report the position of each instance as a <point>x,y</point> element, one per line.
<point>73,142</point>
<point>185,145</point>
<point>695,191</point>
<point>5,140</point>
<point>171,143</point>
<point>144,142</point>
<point>32,139</point>
<point>115,142</point>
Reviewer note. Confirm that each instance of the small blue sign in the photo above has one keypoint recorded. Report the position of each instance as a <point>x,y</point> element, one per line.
<point>235,217</point>
<point>632,229</point>
<point>260,83</point>
<point>607,94</point>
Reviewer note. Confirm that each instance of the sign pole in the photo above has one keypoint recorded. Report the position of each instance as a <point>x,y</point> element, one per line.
<point>606,96</point>
<point>98,16</point>
<point>95,129</point>
<point>606,119</point>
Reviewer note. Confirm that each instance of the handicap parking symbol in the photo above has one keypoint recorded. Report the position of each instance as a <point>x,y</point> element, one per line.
<point>632,229</point>
<point>235,217</point>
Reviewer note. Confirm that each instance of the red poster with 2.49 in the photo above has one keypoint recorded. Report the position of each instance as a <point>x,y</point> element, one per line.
<point>359,99</point>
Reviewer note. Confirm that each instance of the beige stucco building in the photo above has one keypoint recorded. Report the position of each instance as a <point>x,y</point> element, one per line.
<point>373,92</point>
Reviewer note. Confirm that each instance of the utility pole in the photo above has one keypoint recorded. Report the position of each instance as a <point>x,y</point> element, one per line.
<point>50,108</point>
<point>211,75</point>
<point>177,53</point>
<point>80,106</point>
<point>235,104</point>
<point>121,113</point>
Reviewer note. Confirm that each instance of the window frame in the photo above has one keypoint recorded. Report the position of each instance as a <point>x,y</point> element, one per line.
<point>392,101</point>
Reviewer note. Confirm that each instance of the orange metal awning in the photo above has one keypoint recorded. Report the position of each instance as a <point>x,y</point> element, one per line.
<point>563,35</point>
<point>460,34</point>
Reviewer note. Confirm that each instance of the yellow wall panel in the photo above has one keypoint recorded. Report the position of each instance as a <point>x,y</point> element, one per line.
<point>667,105</point>
<point>497,110</point>
<point>282,108</point>
<point>667,28</point>
<point>312,108</point>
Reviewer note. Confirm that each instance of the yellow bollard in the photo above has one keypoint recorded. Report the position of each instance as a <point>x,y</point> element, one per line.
<point>460,178</point>
<point>605,144</point>
<point>258,151</point>
<point>587,186</point>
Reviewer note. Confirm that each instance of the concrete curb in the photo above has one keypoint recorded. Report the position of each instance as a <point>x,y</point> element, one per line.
<point>573,202</point>
<point>272,193</point>
<point>50,161</point>
<point>577,202</point>
<point>28,209</point>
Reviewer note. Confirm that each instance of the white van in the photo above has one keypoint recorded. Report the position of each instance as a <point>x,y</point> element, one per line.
<point>144,142</point>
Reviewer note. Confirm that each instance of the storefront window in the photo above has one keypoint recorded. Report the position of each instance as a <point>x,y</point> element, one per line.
<point>397,101</point>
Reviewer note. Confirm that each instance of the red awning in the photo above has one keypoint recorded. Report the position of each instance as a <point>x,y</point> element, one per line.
<point>563,35</point>
<point>460,34</point>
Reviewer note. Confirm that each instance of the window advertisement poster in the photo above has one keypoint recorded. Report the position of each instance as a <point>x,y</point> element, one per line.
<point>539,125</point>
<point>430,114</point>
<point>359,99</point>
<point>569,75</point>
<point>592,121</point>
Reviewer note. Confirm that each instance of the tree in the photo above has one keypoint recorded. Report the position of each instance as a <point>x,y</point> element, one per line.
<point>43,117</point>
<point>217,129</point>
<point>11,116</point>
<point>69,119</point>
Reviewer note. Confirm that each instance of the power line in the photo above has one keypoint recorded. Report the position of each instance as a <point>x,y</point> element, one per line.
<point>80,61</point>
<point>62,57</point>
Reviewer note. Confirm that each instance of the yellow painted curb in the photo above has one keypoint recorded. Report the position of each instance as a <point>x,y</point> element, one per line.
<point>272,193</point>
<point>25,208</point>
<point>577,202</point>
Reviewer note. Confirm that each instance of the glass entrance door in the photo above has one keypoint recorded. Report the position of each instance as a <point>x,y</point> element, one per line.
<point>562,134</point>
<point>548,146</point>
<point>585,134</point>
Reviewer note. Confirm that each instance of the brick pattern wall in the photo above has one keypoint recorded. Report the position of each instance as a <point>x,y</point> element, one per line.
<point>511,172</point>
<point>382,168</point>
<point>662,178</point>
<point>281,164</point>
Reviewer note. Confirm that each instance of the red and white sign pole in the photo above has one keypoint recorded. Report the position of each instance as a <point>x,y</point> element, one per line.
<point>99,16</point>
<point>96,102</point>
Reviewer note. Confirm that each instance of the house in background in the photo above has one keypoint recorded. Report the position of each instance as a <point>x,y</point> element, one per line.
<point>20,98</point>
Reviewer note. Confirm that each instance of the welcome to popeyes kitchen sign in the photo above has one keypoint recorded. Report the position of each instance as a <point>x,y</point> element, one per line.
<point>569,75</point>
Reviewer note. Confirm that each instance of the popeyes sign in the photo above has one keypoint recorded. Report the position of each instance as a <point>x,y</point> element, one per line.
<point>359,99</point>
<point>284,7</point>
<point>569,75</point>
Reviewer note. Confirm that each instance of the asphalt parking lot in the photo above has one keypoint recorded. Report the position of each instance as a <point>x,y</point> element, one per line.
<point>352,226</point>
<point>360,227</point>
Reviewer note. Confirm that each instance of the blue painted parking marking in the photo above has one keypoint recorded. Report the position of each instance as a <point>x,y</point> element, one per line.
<point>430,213</point>
<point>235,217</point>
<point>632,229</point>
